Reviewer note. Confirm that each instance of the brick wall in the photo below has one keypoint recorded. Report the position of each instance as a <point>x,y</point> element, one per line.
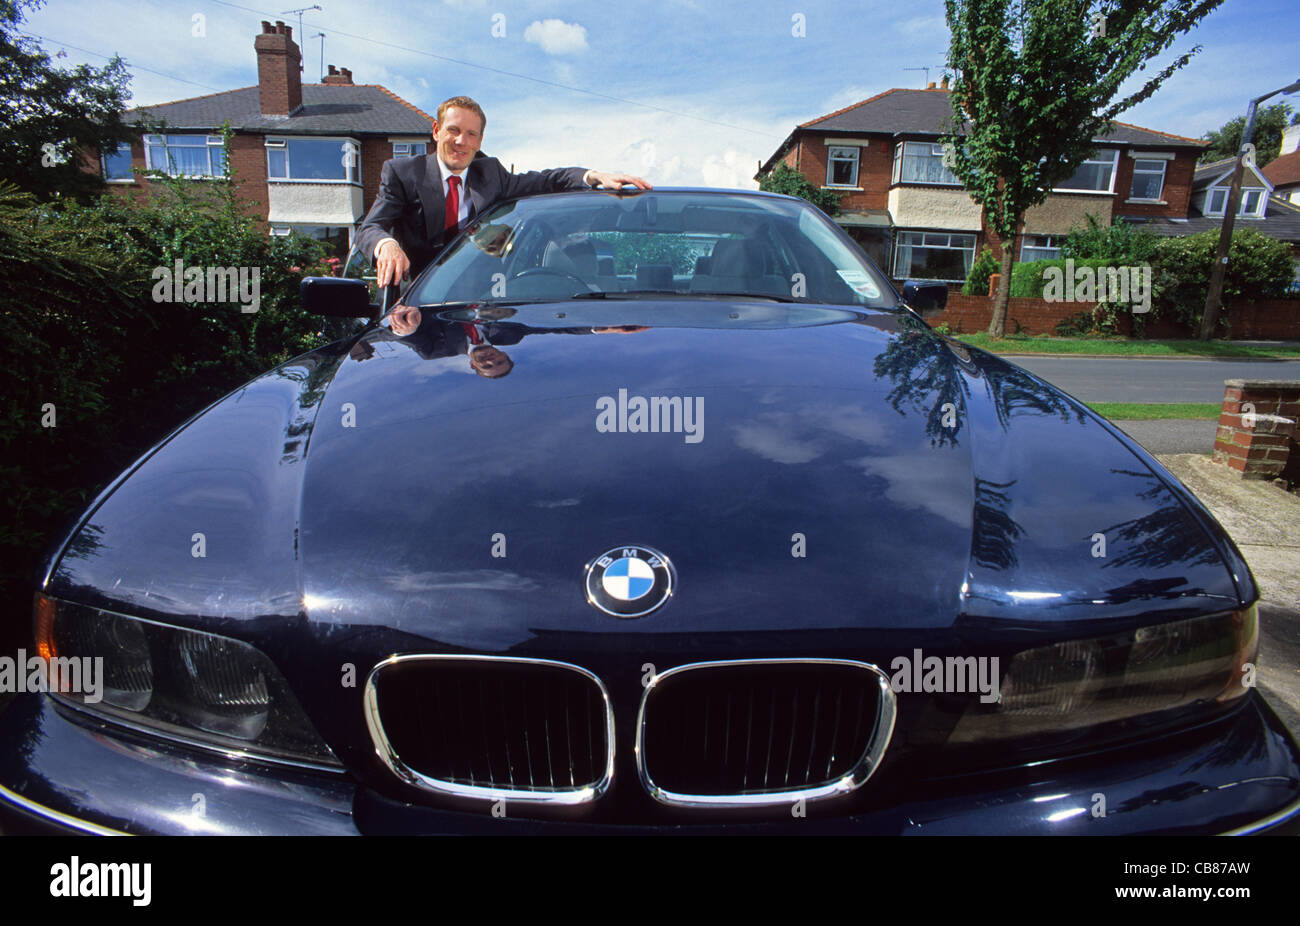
<point>1272,319</point>
<point>1177,192</point>
<point>874,164</point>
<point>1257,425</point>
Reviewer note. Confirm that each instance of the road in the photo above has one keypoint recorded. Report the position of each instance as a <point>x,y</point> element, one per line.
<point>1151,379</point>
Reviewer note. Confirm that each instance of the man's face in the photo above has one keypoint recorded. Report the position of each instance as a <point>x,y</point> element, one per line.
<point>459,136</point>
<point>489,362</point>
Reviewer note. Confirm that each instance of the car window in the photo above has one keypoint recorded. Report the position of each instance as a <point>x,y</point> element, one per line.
<point>590,245</point>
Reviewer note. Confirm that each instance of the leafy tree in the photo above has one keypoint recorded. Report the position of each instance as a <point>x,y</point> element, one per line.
<point>48,114</point>
<point>1037,81</point>
<point>787,180</point>
<point>1270,123</point>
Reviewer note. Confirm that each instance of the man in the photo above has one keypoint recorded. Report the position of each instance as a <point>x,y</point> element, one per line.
<point>424,201</point>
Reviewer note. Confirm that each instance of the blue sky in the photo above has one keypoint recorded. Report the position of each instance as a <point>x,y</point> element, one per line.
<point>685,92</point>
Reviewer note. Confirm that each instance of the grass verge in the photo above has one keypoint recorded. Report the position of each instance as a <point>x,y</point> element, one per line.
<point>1150,411</point>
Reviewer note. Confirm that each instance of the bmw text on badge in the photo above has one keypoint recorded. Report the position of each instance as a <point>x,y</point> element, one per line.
<point>629,581</point>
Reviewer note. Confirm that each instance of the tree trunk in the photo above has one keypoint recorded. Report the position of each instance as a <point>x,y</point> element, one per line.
<point>998,323</point>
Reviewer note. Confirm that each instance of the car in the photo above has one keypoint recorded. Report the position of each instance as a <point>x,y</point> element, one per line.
<point>647,512</point>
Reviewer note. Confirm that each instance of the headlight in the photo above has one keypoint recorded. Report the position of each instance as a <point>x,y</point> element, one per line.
<point>1084,683</point>
<point>181,684</point>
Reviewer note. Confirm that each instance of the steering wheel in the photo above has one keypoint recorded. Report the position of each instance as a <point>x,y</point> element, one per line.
<point>556,272</point>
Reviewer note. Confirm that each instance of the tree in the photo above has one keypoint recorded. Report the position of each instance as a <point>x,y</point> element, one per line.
<point>48,114</point>
<point>1270,123</point>
<point>1036,82</point>
<point>787,180</point>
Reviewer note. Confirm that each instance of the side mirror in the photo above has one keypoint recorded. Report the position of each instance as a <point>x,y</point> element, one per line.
<point>336,297</point>
<point>925,299</point>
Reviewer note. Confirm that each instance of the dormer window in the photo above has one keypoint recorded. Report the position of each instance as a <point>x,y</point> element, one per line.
<point>1252,202</point>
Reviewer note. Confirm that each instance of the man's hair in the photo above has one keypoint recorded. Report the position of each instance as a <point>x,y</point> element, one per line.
<point>462,102</point>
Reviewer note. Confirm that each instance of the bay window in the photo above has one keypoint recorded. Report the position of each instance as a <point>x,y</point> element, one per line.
<point>933,256</point>
<point>185,155</point>
<point>922,162</point>
<point>1095,175</point>
<point>315,159</point>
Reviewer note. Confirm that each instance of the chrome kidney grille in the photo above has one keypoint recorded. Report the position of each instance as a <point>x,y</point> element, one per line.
<point>748,733</point>
<point>493,727</point>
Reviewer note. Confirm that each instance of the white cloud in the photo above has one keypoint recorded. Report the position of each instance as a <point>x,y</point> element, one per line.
<point>556,37</point>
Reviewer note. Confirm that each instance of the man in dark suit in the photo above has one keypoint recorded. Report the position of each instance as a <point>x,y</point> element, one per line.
<point>424,201</point>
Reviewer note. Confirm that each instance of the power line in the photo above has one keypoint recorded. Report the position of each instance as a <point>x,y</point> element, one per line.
<point>536,80</point>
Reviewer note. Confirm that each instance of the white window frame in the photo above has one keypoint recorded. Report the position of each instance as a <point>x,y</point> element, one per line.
<point>899,245</point>
<point>402,149</point>
<point>1159,197</point>
<point>284,143</point>
<point>1113,161</point>
<point>151,142</point>
<point>1054,243</point>
<point>896,173</point>
<point>1216,191</point>
<point>832,157</point>
<point>123,147</point>
<point>935,151</point>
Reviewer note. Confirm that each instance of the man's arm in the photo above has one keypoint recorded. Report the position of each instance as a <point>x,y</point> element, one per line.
<point>558,179</point>
<point>381,221</point>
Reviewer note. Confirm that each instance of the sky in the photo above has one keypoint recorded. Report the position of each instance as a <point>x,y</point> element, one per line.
<point>682,92</point>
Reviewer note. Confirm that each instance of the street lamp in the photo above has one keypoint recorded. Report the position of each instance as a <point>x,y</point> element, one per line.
<point>1214,297</point>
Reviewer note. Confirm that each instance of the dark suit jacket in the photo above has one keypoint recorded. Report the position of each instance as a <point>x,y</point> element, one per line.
<point>411,207</point>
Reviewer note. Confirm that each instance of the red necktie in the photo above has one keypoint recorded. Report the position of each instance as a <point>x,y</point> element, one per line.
<point>472,331</point>
<point>453,204</point>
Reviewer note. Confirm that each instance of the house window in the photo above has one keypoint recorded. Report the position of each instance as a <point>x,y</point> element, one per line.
<point>185,155</point>
<point>1251,201</point>
<point>898,164</point>
<point>1095,175</point>
<point>410,149</point>
<point>1148,179</point>
<point>933,256</point>
<point>315,159</point>
<point>842,167</point>
<point>117,166</point>
<point>1041,247</point>
<point>922,162</point>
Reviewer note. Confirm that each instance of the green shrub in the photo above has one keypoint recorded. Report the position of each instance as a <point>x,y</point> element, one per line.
<point>1259,267</point>
<point>787,180</point>
<point>1120,243</point>
<point>983,267</point>
<point>1028,279</point>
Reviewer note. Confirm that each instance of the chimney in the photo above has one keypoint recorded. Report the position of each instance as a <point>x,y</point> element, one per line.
<point>339,77</point>
<point>279,81</point>
<point>931,87</point>
<point>943,85</point>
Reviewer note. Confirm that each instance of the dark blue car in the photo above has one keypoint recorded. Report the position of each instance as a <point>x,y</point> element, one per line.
<point>647,512</point>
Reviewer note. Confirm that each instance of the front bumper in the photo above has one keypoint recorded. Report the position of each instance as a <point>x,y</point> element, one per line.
<point>64,772</point>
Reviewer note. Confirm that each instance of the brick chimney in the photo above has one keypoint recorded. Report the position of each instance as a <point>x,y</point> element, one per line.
<point>279,80</point>
<point>943,85</point>
<point>339,77</point>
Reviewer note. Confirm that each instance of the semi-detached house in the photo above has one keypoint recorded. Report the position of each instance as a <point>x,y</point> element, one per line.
<point>915,219</point>
<point>308,157</point>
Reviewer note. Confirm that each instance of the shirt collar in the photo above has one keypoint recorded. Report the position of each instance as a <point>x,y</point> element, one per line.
<point>448,172</point>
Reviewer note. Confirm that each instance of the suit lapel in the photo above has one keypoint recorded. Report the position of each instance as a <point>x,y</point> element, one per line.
<point>432,199</point>
<point>477,194</point>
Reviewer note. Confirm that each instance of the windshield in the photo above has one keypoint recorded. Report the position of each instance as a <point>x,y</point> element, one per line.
<point>653,245</point>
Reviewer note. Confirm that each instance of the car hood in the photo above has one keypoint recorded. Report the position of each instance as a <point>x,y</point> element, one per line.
<point>849,470</point>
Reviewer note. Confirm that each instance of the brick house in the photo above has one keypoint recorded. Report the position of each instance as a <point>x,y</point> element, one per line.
<point>307,156</point>
<point>915,219</point>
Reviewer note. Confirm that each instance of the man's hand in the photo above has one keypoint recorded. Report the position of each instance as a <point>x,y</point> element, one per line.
<point>391,263</point>
<point>608,181</point>
<point>403,320</point>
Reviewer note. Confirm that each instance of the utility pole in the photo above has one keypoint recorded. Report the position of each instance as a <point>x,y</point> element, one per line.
<point>1214,297</point>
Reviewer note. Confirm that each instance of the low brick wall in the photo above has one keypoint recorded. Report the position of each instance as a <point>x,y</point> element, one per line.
<point>1274,319</point>
<point>1257,426</point>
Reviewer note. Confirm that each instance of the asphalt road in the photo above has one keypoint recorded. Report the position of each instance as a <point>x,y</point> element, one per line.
<point>1155,379</point>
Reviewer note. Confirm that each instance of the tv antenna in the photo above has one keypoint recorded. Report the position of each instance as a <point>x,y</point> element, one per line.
<point>321,36</point>
<point>937,67</point>
<point>300,11</point>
